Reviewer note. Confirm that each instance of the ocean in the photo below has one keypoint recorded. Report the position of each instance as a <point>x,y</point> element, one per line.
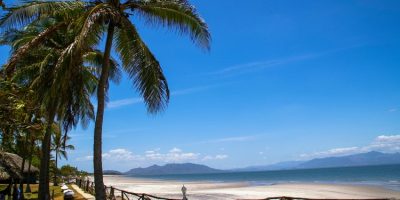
<point>387,176</point>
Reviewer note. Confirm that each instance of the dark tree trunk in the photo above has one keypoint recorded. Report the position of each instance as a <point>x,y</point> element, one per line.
<point>21,181</point>
<point>101,91</point>
<point>45,159</point>
<point>55,171</point>
<point>28,186</point>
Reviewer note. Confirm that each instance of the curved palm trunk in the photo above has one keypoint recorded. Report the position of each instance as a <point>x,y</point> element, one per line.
<point>45,160</point>
<point>98,129</point>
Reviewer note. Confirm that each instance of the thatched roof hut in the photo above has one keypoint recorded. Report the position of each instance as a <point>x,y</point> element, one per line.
<point>10,167</point>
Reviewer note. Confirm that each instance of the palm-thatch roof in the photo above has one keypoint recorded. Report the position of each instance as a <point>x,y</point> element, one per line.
<point>11,164</point>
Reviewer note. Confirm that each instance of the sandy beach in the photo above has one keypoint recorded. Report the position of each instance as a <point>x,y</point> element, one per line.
<point>238,190</point>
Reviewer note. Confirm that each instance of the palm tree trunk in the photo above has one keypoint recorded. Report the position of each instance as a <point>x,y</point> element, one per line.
<point>56,171</point>
<point>45,159</point>
<point>28,186</point>
<point>101,91</point>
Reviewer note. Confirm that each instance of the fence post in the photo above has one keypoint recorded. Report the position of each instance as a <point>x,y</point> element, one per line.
<point>122,195</point>
<point>87,186</point>
<point>112,193</point>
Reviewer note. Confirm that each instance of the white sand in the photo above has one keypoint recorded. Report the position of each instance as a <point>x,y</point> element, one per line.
<point>219,191</point>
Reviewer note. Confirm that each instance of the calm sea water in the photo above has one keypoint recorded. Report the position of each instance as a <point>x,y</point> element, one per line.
<point>387,176</point>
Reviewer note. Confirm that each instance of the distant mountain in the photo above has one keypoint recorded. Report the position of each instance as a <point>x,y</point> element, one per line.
<point>111,172</point>
<point>186,168</point>
<point>362,159</point>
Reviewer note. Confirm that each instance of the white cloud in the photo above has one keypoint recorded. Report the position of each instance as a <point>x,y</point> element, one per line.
<point>393,110</point>
<point>217,157</point>
<point>173,155</point>
<point>124,102</point>
<point>120,154</point>
<point>175,150</point>
<point>386,143</point>
<point>382,143</point>
<point>231,139</point>
<point>333,152</point>
<point>115,155</point>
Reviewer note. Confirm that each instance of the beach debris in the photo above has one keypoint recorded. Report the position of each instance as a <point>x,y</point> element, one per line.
<point>69,194</point>
<point>64,187</point>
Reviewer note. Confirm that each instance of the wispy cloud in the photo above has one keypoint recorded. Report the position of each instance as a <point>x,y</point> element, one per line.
<point>231,139</point>
<point>254,66</point>
<point>259,65</point>
<point>124,102</point>
<point>194,89</point>
<point>383,143</point>
<point>393,110</point>
<point>136,100</point>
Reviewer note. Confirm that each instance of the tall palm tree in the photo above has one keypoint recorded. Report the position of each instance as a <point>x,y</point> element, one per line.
<point>138,61</point>
<point>113,17</point>
<point>60,146</point>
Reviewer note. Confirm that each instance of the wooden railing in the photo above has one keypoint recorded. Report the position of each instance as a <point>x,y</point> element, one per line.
<point>113,193</point>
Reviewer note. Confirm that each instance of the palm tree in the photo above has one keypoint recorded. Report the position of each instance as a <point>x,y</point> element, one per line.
<point>60,146</point>
<point>137,60</point>
<point>62,90</point>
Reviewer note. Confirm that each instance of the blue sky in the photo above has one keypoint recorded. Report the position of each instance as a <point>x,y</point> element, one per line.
<point>284,80</point>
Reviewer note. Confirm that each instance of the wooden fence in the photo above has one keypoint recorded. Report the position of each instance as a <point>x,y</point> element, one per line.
<point>117,194</point>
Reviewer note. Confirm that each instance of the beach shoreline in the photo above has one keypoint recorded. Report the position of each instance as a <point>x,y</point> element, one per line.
<point>243,190</point>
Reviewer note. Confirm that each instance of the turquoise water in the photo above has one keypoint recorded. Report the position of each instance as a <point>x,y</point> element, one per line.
<point>387,176</point>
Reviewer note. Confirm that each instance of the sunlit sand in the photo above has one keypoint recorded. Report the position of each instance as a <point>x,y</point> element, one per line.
<point>237,190</point>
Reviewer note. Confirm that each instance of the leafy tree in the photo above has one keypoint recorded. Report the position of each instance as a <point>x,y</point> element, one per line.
<point>60,146</point>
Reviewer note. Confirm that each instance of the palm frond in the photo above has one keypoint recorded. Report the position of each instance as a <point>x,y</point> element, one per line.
<point>10,66</point>
<point>177,14</point>
<point>95,59</point>
<point>19,16</point>
<point>142,67</point>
